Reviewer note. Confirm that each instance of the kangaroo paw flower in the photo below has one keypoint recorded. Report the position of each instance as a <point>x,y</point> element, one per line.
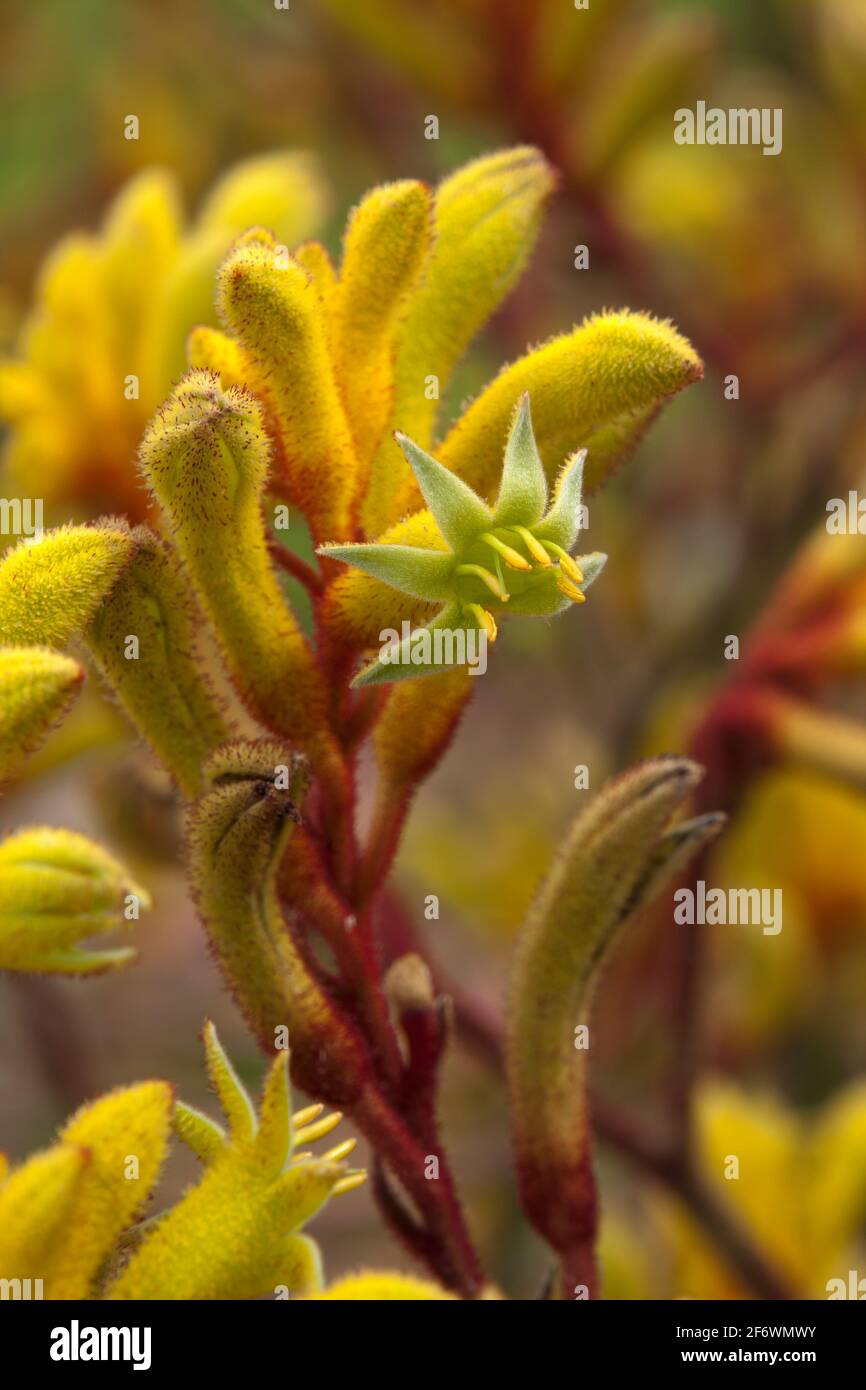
<point>513,557</point>
<point>236,1234</point>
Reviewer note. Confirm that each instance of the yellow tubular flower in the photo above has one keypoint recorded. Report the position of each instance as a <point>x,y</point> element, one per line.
<point>386,241</point>
<point>486,219</point>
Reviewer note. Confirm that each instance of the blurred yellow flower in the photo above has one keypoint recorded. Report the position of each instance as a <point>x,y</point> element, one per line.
<point>800,1190</point>
<point>788,836</point>
<point>794,1182</point>
<point>106,336</point>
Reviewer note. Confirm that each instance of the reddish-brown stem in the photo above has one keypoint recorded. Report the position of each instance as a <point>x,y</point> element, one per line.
<point>362,715</point>
<point>297,568</point>
<point>322,906</point>
<point>455,1260</point>
<point>389,814</point>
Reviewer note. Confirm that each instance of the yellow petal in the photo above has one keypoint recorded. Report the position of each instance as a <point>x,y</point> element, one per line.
<point>126,1135</point>
<point>35,1205</point>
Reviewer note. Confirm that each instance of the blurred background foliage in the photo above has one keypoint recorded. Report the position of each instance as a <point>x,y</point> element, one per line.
<point>759,260</point>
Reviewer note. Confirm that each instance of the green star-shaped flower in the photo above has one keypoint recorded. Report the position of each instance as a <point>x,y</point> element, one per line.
<point>513,558</point>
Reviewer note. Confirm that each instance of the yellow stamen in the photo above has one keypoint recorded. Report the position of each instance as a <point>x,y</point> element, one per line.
<point>510,556</point>
<point>349,1184</point>
<point>302,1158</point>
<point>340,1151</point>
<point>533,545</point>
<point>310,1133</point>
<point>487,578</point>
<point>572,569</point>
<point>485,620</point>
<point>303,1117</point>
<point>565,586</point>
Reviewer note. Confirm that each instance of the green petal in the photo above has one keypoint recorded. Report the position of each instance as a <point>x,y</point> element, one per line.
<point>542,598</point>
<point>458,511</point>
<point>590,567</point>
<point>523,490</point>
<point>562,522</point>
<point>403,667</point>
<point>422,573</point>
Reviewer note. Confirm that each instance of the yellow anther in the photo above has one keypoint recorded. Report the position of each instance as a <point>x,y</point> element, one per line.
<point>340,1151</point>
<point>487,578</point>
<point>485,620</point>
<point>533,545</point>
<point>303,1117</point>
<point>512,557</point>
<point>565,586</point>
<point>566,563</point>
<point>350,1183</point>
<point>310,1133</point>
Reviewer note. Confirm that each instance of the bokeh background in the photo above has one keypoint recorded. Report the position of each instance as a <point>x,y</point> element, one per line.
<point>760,261</point>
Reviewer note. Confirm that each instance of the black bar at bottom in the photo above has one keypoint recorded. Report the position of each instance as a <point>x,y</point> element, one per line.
<point>66,1339</point>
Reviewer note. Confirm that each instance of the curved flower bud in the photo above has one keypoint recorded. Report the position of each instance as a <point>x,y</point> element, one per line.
<point>57,889</point>
<point>513,557</point>
<point>237,833</point>
<point>615,858</point>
